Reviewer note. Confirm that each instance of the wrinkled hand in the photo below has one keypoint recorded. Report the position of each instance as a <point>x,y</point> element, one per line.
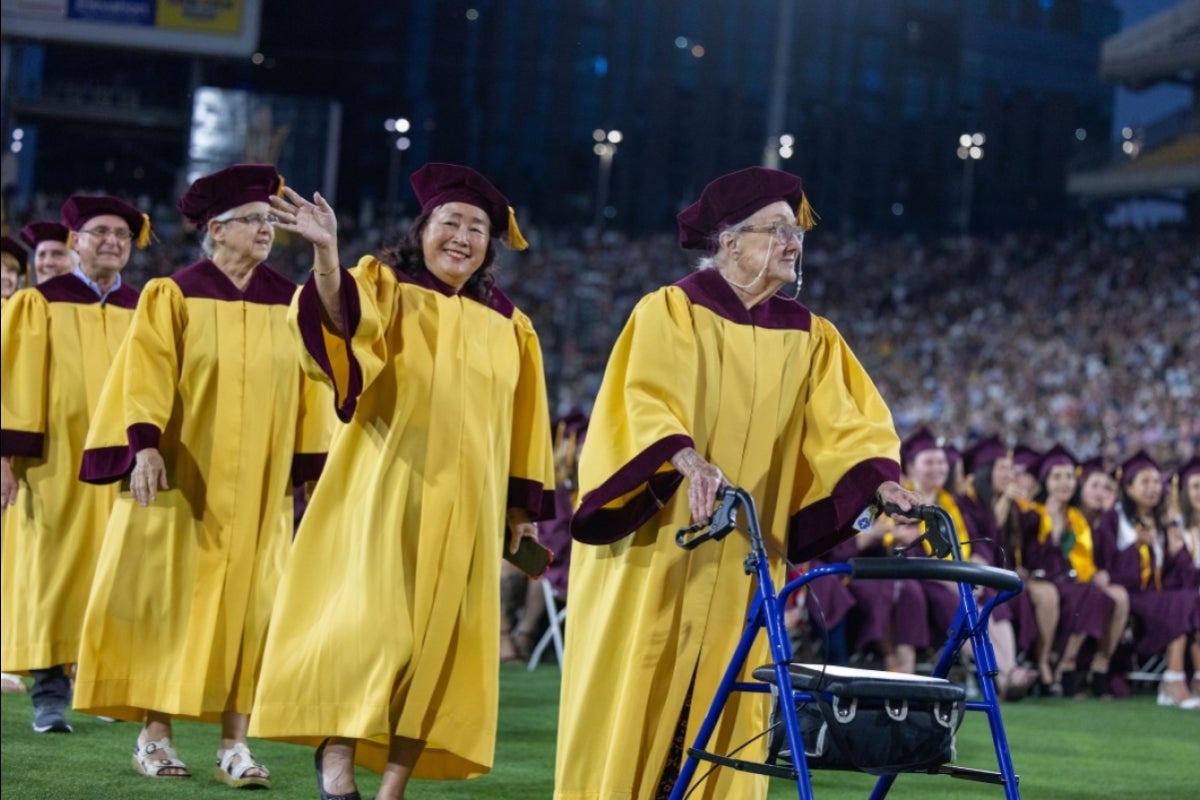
<point>148,476</point>
<point>703,481</point>
<point>314,221</point>
<point>522,528</point>
<point>893,493</point>
<point>8,484</point>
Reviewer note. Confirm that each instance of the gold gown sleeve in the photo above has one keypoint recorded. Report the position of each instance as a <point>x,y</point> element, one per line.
<point>349,362</point>
<point>24,374</point>
<point>139,393</point>
<point>531,460</point>
<point>314,428</point>
<point>645,406</point>
<point>849,446</point>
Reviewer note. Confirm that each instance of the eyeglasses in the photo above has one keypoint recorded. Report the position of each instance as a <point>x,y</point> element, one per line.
<point>257,220</point>
<point>472,231</point>
<point>102,232</point>
<point>782,232</point>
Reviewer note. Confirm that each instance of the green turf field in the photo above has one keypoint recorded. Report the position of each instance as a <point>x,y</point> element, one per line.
<point>1063,750</point>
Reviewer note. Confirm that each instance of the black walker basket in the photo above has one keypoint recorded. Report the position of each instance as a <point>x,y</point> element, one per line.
<point>869,721</point>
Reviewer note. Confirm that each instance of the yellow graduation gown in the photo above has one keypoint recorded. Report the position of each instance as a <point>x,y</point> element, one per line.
<point>772,396</point>
<point>57,342</point>
<point>387,619</point>
<point>183,590</point>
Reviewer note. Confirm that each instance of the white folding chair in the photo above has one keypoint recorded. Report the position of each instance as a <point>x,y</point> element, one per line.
<point>555,614</point>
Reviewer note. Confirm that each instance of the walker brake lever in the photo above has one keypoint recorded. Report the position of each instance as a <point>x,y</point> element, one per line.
<point>939,527</point>
<point>724,520</point>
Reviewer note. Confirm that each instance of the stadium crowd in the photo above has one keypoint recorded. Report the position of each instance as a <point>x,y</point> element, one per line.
<point>1085,339</point>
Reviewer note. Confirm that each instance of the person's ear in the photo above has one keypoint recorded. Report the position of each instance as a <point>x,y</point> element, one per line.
<point>728,241</point>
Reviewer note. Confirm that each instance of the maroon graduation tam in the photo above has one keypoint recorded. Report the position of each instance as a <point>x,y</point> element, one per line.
<point>1188,469</point>
<point>732,198</point>
<point>80,208</point>
<point>983,452</point>
<point>436,184</point>
<point>1137,462</point>
<point>1055,456</point>
<point>918,442</point>
<point>40,231</point>
<point>15,249</point>
<point>1025,457</point>
<point>212,195</point>
<point>1090,465</point>
<point>953,454</point>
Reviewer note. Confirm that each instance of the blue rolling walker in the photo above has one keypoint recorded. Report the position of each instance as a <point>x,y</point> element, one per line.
<point>869,721</point>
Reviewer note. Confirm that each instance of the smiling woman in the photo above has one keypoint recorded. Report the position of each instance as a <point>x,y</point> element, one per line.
<point>395,573</point>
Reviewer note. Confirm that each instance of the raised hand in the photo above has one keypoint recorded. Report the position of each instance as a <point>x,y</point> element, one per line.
<point>315,221</point>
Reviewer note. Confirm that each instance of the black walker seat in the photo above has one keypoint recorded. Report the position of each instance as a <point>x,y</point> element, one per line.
<point>872,721</point>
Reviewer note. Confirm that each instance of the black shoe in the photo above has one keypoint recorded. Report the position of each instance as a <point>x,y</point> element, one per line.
<point>1101,687</point>
<point>319,758</point>
<point>48,719</point>
<point>1071,685</point>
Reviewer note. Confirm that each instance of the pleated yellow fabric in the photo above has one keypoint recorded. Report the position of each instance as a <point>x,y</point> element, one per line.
<point>777,401</point>
<point>57,342</point>
<point>183,591</point>
<point>387,621</point>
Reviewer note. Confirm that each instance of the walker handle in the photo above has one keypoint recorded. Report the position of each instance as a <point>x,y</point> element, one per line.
<point>933,569</point>
<point>723,521</point>
<point>940,533</point>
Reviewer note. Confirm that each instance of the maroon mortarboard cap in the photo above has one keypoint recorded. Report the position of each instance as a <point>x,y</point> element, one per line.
<point>80,208</point>
<point>1055,456</point>
<point>436,184</point>
<point>1137,462</point>
<point>1188,469</point>
<point>918,442</point>
<point>983,452</point>
<point>40,231</point>
<point>1090,465</point>
<point>15,249</point>
<point>231,187</point>
<point>953,454</point>
<point>734,197</point>
<point>1025,457</point>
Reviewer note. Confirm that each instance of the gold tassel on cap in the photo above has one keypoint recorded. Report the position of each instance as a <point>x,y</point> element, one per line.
<point>806,217</point>
<point>143,238</point>
<point>282,183</point>
<point>515,240</point>
<point>72,240</point>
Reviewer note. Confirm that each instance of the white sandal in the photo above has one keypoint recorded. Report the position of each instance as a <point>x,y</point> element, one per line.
<point>151,758</point>
<point>230,775</point>
<point>1190,703</point>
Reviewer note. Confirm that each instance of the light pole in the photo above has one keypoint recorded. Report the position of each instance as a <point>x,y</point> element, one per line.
<point>606,148</point>
<point>970,150</point>
<point>397,127</point>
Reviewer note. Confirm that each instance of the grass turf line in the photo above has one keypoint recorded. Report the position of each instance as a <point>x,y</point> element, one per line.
<point>1062,749</point>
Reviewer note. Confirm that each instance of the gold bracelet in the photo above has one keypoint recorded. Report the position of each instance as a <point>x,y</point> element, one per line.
<point>323,274</point>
